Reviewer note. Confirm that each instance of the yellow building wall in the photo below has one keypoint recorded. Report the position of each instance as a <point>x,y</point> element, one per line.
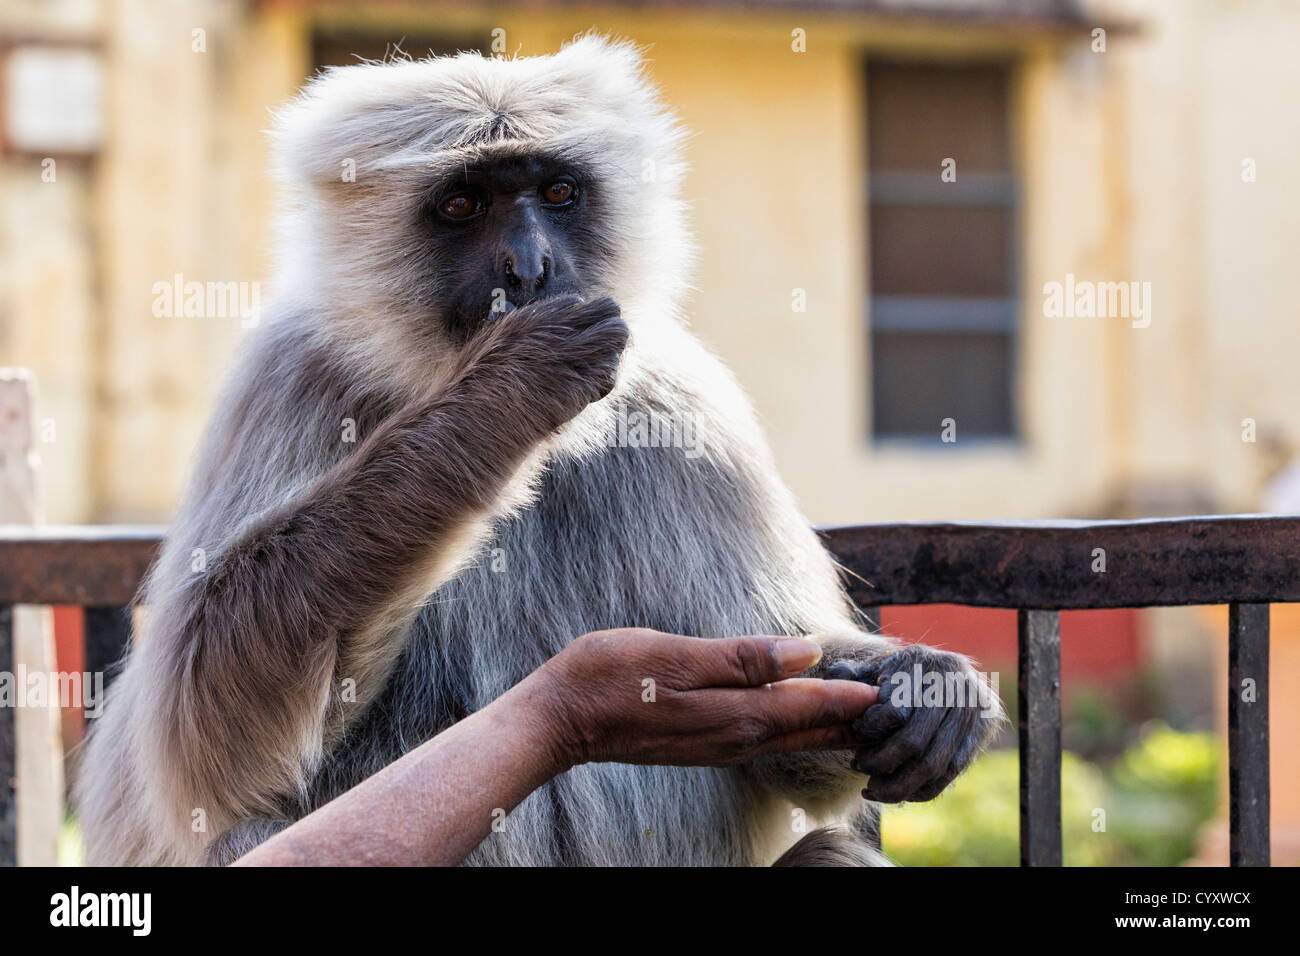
<point>1129,166</point>
<point>777,193</point>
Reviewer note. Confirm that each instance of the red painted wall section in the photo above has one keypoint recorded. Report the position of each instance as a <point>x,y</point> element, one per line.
<point>1096,646</point>
<point>69,650</point>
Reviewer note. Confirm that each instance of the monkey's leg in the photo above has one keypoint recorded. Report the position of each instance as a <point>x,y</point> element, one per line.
<point>832,846</point>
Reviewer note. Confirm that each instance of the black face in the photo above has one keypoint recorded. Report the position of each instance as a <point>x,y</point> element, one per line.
<point>508,232</point>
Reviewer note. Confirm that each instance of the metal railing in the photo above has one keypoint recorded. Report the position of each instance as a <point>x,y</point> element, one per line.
<point>1042,568</point>
<point>1037,568</point>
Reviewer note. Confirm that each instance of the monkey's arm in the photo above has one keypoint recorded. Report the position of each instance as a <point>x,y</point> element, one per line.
<point>319,589</point>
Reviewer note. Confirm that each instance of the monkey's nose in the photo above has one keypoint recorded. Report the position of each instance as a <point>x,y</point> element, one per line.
<point>528,270</point>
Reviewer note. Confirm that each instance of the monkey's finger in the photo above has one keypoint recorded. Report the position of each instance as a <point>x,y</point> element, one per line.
<point>882,720</point>
<point>551,305</point>
<point>964,754</point>
<point>930,763</point>
<point>852,670</point>
<point>597,310</point>
<point>910,740</point>
<point>915,782</point>
<point>895,787</point>
<point>969,746</point>
<point>935,787</point>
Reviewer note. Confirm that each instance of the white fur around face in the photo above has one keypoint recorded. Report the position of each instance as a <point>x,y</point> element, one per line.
<point>394,127</point>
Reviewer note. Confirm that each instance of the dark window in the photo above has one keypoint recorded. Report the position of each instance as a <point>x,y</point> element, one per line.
<point>943,302</point>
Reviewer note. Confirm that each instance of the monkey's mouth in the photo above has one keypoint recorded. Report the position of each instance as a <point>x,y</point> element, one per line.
<point>499,310</point>
<point>474,314</point>
<point>470,318</point>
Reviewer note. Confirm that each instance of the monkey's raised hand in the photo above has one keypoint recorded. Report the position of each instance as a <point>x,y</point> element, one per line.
<point>562,352</point>
<point>934,715</point>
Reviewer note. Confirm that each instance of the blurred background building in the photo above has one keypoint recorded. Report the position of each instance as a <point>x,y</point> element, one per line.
<point>884,192</point>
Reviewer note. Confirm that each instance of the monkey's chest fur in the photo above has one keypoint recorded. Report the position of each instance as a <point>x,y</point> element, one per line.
<point>647,537</point>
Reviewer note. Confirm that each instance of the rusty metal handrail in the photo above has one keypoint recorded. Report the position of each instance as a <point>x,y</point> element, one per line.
<point>1037,568</point>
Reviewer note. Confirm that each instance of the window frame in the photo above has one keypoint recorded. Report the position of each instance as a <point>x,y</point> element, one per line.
<point>953,315</point>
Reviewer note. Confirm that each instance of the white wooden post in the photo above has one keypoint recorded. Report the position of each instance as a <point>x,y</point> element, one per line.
<point>37,729</point>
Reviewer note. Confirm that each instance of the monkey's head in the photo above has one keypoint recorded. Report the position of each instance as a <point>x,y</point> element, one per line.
<point>430,197</point>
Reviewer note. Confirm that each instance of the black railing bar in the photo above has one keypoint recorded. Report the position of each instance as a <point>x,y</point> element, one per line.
<point>1069,524</point>
<point>1062,566</point>
<point>1039,725</point>
<point>106,640</point>
<point>1248,735</point>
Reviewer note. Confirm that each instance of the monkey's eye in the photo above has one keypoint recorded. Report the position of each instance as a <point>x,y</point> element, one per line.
<point>558,194</point>
<point>460,206</point>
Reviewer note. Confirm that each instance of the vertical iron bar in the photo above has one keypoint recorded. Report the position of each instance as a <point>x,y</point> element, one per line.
<point>1248,772</point>
<point>8,765</point>
<point>108,638</point>
<point>1039,705</point>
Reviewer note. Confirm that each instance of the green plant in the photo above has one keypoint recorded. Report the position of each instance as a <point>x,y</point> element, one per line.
<point>70,850</point>
<point>976,822</point>
<point>1166,786</point>
<point>1094,726</point>
<point>1147,811</point>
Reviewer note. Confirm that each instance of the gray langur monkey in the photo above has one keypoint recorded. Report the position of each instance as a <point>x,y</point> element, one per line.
<point>478,305</point>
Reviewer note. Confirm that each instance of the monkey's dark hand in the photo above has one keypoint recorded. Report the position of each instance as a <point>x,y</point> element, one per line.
<point>555,355</point>
<point>912,744</point>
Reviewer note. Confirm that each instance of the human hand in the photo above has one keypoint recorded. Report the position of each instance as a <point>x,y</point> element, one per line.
<point>634,695</point>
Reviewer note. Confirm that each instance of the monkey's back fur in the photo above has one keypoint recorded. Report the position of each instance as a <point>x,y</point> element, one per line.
<point>586,535</point>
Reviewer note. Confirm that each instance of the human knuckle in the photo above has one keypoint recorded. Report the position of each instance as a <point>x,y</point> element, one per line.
<point>584,643</point>
<point>638,636</point>
<point>748,732</point>
<point>831,708</point>
<point>747,661</point>
<point>589,649</point>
